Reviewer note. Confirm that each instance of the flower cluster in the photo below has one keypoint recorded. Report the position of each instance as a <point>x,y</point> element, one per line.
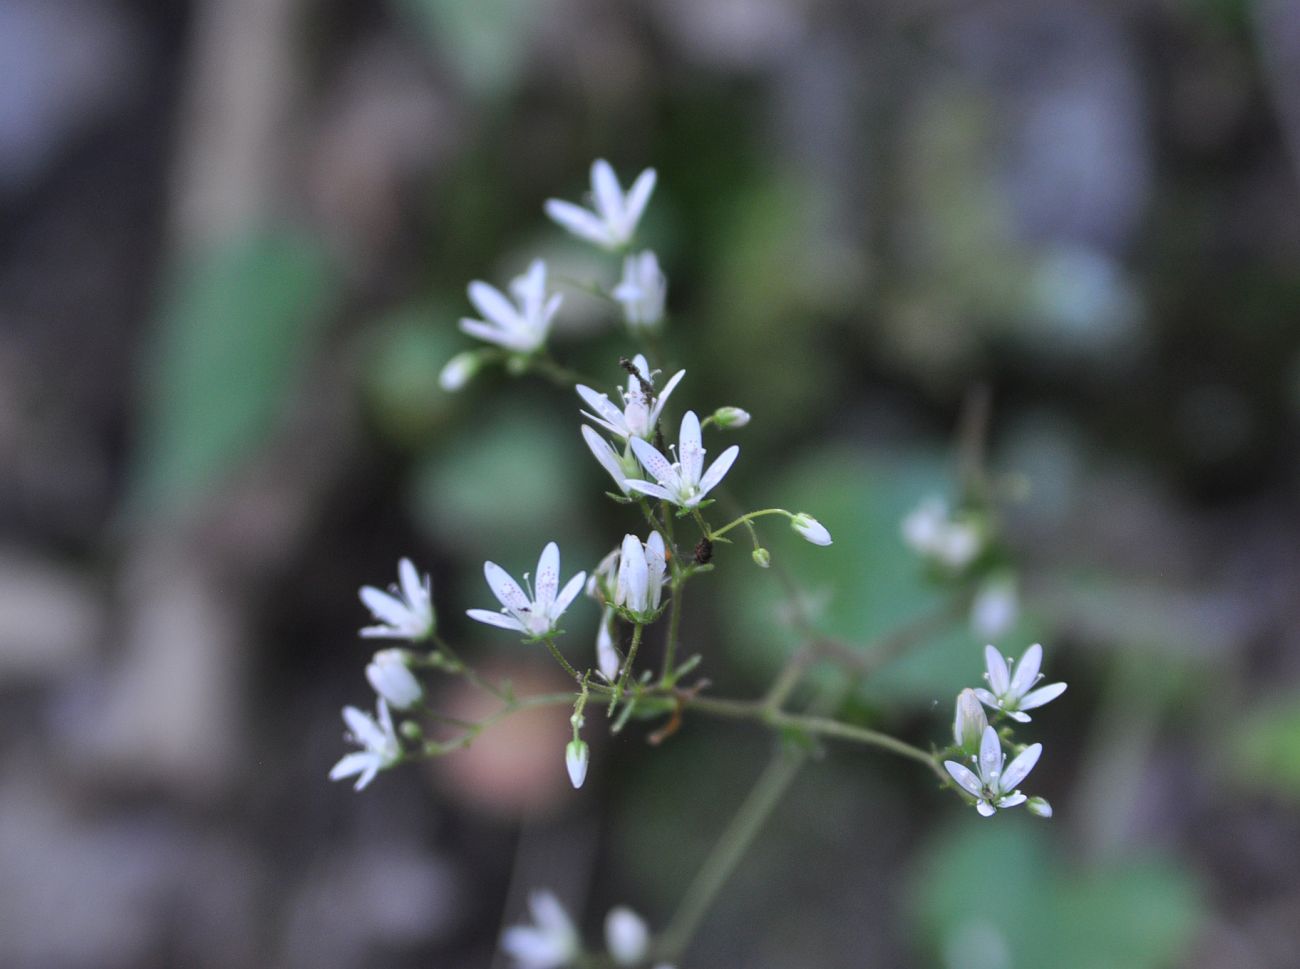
<point>993,783</point>
<point>950,541</point>
<point>551,941</point>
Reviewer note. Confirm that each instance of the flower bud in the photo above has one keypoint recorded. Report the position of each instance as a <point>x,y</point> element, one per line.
<point>576,757</point>
<point>811,529</point>
<point>969,723</point>
<point>393,680</point>
<point>730,417</point>
<point>411,730</point>
<point>762,558</point>
<point>1039,806</point>
<point>460,370</point>
<point>626,936</point>
<point>606,655</point>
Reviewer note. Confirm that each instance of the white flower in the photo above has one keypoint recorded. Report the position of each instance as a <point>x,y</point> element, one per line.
<point>393,680</point>
<point>577,755</point>
<point>933,533</point>
<point>1012,694</point>
<point>994,787</point>
<point>607,661</point>
<point>460,370</point>
<point>811,529</point>
<point>382,748</point>
<point>640,576</point>
<point>626,936</point>
<point>536,617</point>
<point>994,609</point>
<point>521,326</point>
<point>638,416</point>
<point>550,942</point>
<point>405,612</point>
<point>621,468</point>
<point>613,223</point>
<point>642,290</point>
<point>685,482</point>
<point>969,722</point>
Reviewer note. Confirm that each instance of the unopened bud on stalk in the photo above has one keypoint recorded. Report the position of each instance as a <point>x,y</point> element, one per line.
<point>1039,806</point>
<point>762,558</point>
<point>460,370</point>
<point>576,757</point>
<point>811,529</point>
<point>970,721</point>
<point>730,417</point>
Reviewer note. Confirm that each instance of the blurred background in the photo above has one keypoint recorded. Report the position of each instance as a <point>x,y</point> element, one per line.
<point>234,241</point>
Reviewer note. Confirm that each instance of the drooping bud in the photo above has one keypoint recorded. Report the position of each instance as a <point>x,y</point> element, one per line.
<point>576,757</point>
<point>762,558</point>
<point>393,680</point>
<point>1039,806</point>
<point>460,370</point>
<point>811,529</point>
<point>970,721</point>
<point>730,418</point>
<point>626,936</point>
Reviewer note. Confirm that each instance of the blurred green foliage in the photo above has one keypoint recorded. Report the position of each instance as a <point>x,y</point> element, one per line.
<point>234,333</point>
<point>1264,748</point>
<point>993,894</point>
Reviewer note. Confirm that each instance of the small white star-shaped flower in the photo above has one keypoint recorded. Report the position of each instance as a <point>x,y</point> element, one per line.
<point>933,532</point>
<point>534,617</point>
<point>379,738</point>
<point>638,416</point>
<point>613,223</point>
<point>405,611</point>
<point>390,675</point>
<point>1012,694</point>
<point>521,326</point>
<point>642,290</point>
<point>994,787</point>
<point>549,942</point>
<point>685,482</point>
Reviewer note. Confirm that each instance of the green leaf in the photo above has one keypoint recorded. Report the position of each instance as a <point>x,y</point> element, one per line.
<point>231,340</point>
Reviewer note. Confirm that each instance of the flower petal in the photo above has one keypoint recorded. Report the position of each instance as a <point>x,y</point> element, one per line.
<point>493,305</point>
<point>990,759</point>
<point>568,594</point>
<point>499,619</point>
<point>603,453</point>
<point>608,194</point>
<point>1012,800</point>
<point>1027,670</point>
<point>965,777</point>
<point>653,461</point>
<point>363,728</point>
<point>412,587</point>
<point>353,763</point>
<point>690,448</point>
<point>580,222</point>
<point>384,606</point>
<point>1044,694</point>
<point>999,675</point>
<point>987,698</point>
<point>718,470</point>
<point>1019,768</point>
<point>504,587</point>
<point>637,197</point>
<point>985,809</point>
<point>606,412</point>
<point>547,579</point>
<point>653,490</point>
<point>662,399</point>
<point>633,575</point>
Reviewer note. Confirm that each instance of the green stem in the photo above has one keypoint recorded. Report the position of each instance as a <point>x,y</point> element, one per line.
<point>674,623</point>
<point>627,664</point>
<point>748,517</point>
<point>559,658</point>
<point>727,852</point>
